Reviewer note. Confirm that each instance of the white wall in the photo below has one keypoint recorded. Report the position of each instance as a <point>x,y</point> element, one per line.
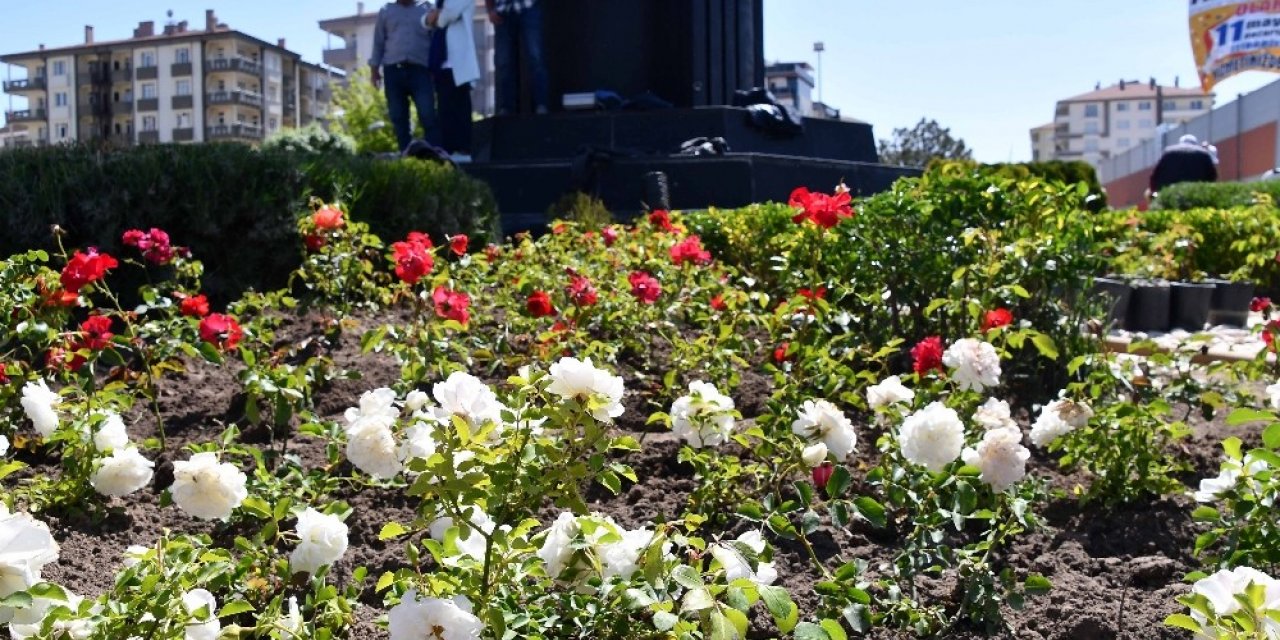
<point>65,116</point>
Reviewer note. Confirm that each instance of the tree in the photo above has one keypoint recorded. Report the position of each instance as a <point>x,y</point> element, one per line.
<point>927,140</point>
<point>360,111</point>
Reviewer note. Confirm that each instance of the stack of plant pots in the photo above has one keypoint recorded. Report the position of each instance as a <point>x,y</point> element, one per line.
<point>1147,305</point>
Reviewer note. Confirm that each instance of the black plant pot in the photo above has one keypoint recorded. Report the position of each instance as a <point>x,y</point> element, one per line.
<point>1230,303</point>
<point>1148,307</point>
<point>1115,294</point>
<point>1190,305</point>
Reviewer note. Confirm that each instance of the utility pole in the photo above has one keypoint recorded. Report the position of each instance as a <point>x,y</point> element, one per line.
<point>818,48</point>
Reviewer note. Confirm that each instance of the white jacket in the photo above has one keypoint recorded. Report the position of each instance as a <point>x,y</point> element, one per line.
<point>458,17</point>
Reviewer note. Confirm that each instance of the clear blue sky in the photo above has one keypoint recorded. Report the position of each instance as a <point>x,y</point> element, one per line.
<point>989,70</point>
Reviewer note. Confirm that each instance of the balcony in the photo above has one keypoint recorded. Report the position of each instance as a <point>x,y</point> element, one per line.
<point>184,135</point>
<point>29,84</point>
<point>183,102</point>
<point>233,132</point>
<point>242,65</point>
<point>26,115</point>
<point>148,137</point>
<point>148,73</point>
<point>339,57</point>
<point>124,74</point>
<point>179,69</point>
<point>234,97</point>
<point>93,108</point>
<point>148,104</point>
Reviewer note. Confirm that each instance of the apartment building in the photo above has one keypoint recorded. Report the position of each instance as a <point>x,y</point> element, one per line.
<point>1042,142</point>
<point>178,85</point>
<point>1108,121</point>
<point>355,46</point>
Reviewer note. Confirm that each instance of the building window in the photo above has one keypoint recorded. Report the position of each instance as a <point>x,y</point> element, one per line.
<point>1091,111</point>
<point>184,88</point>
<point>1145,105</point>
<point>1197,105</point>
<point>272,123</point>
<point>1122,106</point>
<point>182,55</point>
<point>62,132</point>
<point>1091,127</point>
<point>148,59</point>
<point>60,99</point>
<point>184,120</point>
<point>1170,105</point>
<point>1091,145</point>
<point>148,90</point>
<point>1122,124</point>
<point>148,123</point>
<point>1145,123</point>
<point>59,68</point>
<point>1123,143</point>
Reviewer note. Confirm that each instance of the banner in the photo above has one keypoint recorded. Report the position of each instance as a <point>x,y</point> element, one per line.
<point>1231,37</point>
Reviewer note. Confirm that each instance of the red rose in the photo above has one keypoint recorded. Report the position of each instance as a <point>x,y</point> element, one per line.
<point>996,318</point>
<point>717,302</point>
<point>4,377</point>
<point>559,228</point>
<point>59,359</point>
<point>97,333</point>
<point>539,304</point>
<point>610,236</point>
<point>458,244</point>
<point>221,330</point>
<point>194,306</point>
<point>661,219</point>
<point>644,287</point>
<point>780,353</point>
<point>133,238</point>
<point>1269,333</point>
<point>822,474</point>
<point>329,217</point>
<point>927,355</point>
<point>86,268</point>
<point>492,252</point>
<point>820,294</point>
<point>314,242</point>
<point>690,250</point>
<point>1258,305</point>
<point>452,305</point>
<point>581,291</point>
<point>413,257</point>
<point>823,210</point>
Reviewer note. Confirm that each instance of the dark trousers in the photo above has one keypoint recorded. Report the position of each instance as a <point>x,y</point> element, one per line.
<point>455,113</point>
<point>403,82</point>
<point>521,30</point>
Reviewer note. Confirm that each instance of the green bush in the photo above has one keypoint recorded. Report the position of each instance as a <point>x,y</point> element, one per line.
<point>582,208</point>
<point>1217,195</point>
<point>1237,243</point>
<point>312,138</point>
<point>234,206</point>
<point>1066,172</point>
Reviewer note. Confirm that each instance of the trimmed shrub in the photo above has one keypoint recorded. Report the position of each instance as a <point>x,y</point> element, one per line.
<point>312,138</point>
<point>1215,195</point>
<point>233,205</point>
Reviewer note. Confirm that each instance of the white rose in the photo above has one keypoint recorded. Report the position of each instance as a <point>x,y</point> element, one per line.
<point>932,437</point>
<point>40,404</point>
<point>622,557</point>
<point>1057,419</point>
<point>822,421</point>
<point>200,601</point>
<point>469,398</point>
<point>122,473</point>
<point>26,623</point>
<point>976,364</point>
<point>474,544</point>
<point>416,400</point>
<point>376,404</point>
<point>1228,478</point>
<point>1222,587</point>
<point>294,625</point>
<point>703,418</point>
<point>372,448</point>
<point>579,379</point>
<point>889,391</point>
<point>814,455</point>
<point>557,550</point>
<point>416,442</point>
<point>1273,394</point>
<point>1000,456</point>
<point>735,564</point>
<point>134,554</point>
<point>445,619</point>
<point>4,445</point>
<point>994,414</point>
<point>322,540</point>
<point>26,546</point>
<point>111,434</point>
<point>206,489</point>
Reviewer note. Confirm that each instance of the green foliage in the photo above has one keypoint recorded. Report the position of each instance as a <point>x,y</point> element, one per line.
<point>1066,172</point>
<point>921,144</point>
<point>312,138</point>
<point>1217,195</point>
<point>232,205</point>
<point>361,113</point>
<point>1236,243</point>
<point>588,211</point>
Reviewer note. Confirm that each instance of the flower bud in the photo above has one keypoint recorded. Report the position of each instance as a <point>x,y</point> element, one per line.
<point>822,473</point>
<point>814,455</point>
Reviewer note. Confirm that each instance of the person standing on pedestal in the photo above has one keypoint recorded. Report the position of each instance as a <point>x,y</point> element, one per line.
<point>518,23</point>
<point>401,48</point>
<point>454,66</point>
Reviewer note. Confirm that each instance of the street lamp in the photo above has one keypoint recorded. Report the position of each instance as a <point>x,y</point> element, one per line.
<point>818,48</point>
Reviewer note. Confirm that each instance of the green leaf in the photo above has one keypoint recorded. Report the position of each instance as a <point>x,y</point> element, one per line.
<point>687,577</point>
<point>738,619</point>
<point>833,629</point>
<point>1244,415</point>
<point>1037,584</point>
<point>1204,513</point>
<point>870,509</point>
<point>1183,621</point>
<point>664,620</point>
<point>839,481</point>
<point>1019,290</point>
<point>210,352</point>
<point>391,530</point>
<point>811,631</point>
<point>234,607</point>
<point>257,506</point>
<point>697,600</point>
<point>19,600</point>
<point>778,602</point>
<point>1044,344</point>
<point>384,581</point>
<point>1271,436</point>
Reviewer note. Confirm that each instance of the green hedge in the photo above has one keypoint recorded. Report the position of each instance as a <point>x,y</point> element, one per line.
<point>1216,195</point>
<point>1066,172</point>
<point>233,205</point>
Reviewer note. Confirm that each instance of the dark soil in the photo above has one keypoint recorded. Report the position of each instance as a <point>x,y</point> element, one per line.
<point>1115,572</point>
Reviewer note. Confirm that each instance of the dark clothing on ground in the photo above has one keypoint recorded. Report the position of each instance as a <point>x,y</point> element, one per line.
<point>520,31</point>
<point>1183,163</point>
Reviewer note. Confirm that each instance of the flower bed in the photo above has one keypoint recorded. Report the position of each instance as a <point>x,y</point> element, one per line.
<point>816,420</point>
